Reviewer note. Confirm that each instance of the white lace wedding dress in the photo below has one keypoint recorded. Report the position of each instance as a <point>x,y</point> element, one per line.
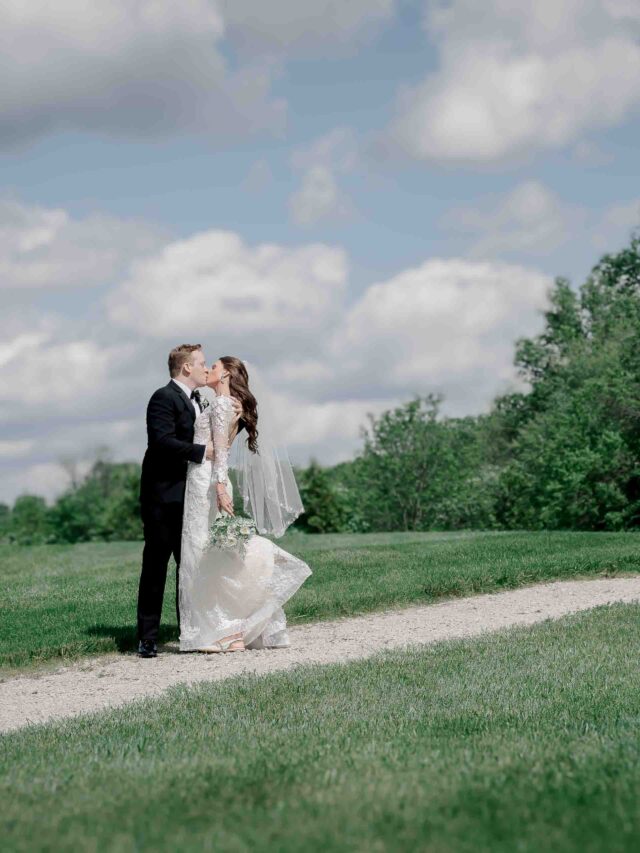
<point>221,592</point>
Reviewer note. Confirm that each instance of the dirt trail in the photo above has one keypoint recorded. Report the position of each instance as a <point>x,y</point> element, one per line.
<point>94,684</point>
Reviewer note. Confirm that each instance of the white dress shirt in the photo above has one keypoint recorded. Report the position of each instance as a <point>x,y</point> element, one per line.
<point>187,391</point>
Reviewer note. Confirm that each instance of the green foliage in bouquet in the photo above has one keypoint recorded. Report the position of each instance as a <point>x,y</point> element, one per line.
<point>231,533</point>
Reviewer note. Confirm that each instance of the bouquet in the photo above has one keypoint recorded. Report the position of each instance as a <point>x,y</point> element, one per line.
<point>231,533</point>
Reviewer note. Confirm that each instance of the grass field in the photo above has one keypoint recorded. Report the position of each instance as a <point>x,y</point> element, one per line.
<point>68,601</point>
<point>526,741</point>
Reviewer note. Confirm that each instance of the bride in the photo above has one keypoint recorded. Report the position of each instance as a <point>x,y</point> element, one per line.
<point>231,599</point>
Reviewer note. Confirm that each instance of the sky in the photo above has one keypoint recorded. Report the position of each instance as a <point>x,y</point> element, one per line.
<point>369,199</point>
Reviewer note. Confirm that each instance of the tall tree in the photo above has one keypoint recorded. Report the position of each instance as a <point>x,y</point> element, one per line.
<point>420,471</point>
<point>575,440</point>
<point>30,522</point>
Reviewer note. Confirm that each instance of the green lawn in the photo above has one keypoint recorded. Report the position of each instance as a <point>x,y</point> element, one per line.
<point>526,740</point>
<point>67,601</point>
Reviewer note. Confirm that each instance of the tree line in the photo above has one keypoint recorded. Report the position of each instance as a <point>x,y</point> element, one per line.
<point>565,454</point>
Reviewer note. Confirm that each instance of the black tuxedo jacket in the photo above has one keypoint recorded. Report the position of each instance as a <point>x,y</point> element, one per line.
<point>170,418</point>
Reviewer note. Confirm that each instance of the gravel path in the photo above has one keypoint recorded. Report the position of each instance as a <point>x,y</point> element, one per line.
<point>97,683</point>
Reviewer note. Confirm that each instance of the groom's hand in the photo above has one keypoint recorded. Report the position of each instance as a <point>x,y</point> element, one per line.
<point>209,452</point>
<point>237,409</point>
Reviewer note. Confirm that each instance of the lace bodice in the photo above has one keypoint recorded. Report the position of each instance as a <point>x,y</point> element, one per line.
<point>213,425</point>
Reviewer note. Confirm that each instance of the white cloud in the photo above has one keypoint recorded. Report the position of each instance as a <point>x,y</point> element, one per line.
<point>46,248</point>
<point>155,68</point>
<point>515,78</point>
<point>57,371</point>
<point>214,286</point>
<point>301,27</point>
<point>46,479</point>
<point>22,341</point>
<point>329,431</point>
<point>531,219</point>
<point>336,150</point>
<point>448,325</point>
<point>62,448</point>
<point>16,448</point>
<point>145,68</point>
<point>63,394</point>
<point>52,370</point>
<point>319,196</point>
<point>615,225</point>
<point>84,440</point>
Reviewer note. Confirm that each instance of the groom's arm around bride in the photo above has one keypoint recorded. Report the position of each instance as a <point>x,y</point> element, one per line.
<point>170,445</point>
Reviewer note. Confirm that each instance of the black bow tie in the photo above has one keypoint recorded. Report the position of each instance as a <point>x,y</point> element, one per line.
<point>200,400</point>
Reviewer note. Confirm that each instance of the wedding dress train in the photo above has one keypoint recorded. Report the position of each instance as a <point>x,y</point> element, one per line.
<point>224,592</point>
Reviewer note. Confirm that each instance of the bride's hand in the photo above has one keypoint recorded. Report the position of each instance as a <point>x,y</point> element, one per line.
<point>225,504</point>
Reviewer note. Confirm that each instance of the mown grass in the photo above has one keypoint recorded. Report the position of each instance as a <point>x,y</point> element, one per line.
<point>526,740</point>
<point>69,601</point>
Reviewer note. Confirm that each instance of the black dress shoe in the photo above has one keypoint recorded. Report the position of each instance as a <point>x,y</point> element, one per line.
<point>147,649</point>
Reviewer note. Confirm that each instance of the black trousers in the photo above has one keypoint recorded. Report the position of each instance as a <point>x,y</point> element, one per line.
<point>162,525</point>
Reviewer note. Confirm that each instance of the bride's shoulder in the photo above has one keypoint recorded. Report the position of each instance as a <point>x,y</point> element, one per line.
<point>220,408</point>
<point>222,402</point>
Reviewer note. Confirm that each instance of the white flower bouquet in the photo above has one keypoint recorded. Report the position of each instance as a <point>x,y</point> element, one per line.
<point>231,533</point>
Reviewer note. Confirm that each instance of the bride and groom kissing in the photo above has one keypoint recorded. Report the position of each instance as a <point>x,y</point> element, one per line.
<point>229,592</point>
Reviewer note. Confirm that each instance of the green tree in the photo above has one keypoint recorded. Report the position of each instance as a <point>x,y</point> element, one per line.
<point>120,516</point>
<point>30,521</point>
<point>324,509</point>
<point>5,521</point>
<point>104,506</point>
<point>420,471</point>
<point>574,440</point>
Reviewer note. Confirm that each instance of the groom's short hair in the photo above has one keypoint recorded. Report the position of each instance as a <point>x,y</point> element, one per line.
<point>179,355</point>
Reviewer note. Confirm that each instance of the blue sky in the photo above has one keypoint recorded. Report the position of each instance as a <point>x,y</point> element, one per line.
<point>368,198</point>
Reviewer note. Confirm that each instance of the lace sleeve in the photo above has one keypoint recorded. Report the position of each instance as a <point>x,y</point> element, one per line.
<point>221,412</point>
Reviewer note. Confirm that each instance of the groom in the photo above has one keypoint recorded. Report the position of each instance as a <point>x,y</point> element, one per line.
<point>171,414</point>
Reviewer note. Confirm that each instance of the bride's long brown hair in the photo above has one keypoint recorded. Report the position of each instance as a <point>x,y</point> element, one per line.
<point>239,388</point>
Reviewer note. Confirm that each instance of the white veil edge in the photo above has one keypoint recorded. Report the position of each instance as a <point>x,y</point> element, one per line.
<point>265,479</point>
